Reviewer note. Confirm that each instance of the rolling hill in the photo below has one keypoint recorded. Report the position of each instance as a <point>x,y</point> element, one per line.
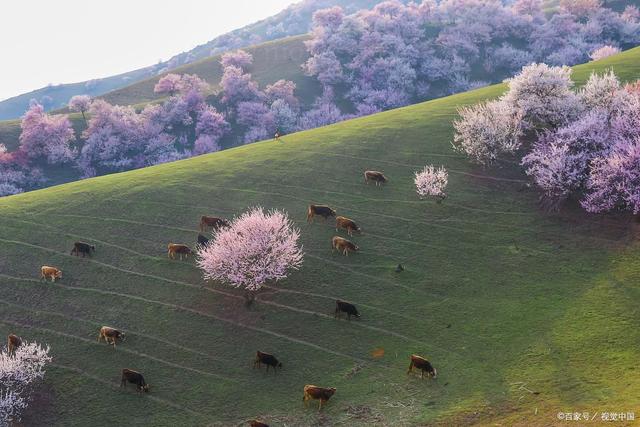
<point>524,314</point>
<point>273,61</point>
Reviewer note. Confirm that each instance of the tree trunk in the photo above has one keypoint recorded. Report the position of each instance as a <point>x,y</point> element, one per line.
<point>249,298</point>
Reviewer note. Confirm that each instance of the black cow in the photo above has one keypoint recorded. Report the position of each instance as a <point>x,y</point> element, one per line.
<point>82,248</point>
<point>345,307</point>
<point>202,241</point>
<point>320,210</point>
<point>267,359</point>
<point>134,377</point>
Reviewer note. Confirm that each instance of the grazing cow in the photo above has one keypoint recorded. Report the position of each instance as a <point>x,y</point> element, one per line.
<point>46,272</point>
<point>399,268</point>
<point>320,210</point>
<point>202,241</point>
<point>343,245</point>
<point>317,393</point>
<point>213,222</point>
<point>13,342</point>
<point>424,365</point>
<point>110,335</point>
<point>375,176</point>
<point>267,359</point>
<point>256,423</point>
<point>134,377</point>
<point>347,224</point>
<point>82,248</point>
<point>345,307</point>
<point>174,248</point>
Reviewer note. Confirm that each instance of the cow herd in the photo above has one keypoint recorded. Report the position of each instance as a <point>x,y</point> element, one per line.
<point>344,246</point>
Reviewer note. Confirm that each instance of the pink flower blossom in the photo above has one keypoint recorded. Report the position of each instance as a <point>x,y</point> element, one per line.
<point>257,248</point>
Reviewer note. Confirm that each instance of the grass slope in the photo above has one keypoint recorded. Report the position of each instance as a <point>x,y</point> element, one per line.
<point>501,297</point>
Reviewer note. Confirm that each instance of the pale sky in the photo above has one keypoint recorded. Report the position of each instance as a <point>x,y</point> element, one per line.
<point>66,41</point>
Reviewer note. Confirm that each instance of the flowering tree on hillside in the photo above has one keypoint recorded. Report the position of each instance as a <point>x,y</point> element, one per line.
<point>614,182</point>
<point>46,136</point>
<point>601,91</point>
<point>580,8</point>
<point>238,58</point>
<point>110,139</point>
<point>486,130</point>
<point>172,84</point>
<point>257,248</point>
<point>282,90</point>
<point>210,127</point>
<point>603,52</point>
<point>18,372</point>
<point>431,182</point>
<point>543,95</point>
<point>237,86</point>
<point>168,84</point>
<point>80,103</point>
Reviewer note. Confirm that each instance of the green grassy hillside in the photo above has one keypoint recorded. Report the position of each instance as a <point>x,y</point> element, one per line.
<point>524,314</point>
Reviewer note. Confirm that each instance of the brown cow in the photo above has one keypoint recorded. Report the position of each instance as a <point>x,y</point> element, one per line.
<point>343,245</point>
<point>256,423</point>
<point>213,222</point>
<point>267,359</point>
<point>347,224</point>
<point>134,377</point>
<point>52,272</point>
<point>110,335</point>
<point>375,176</point>
<point>424,365</point>
<point>174,248</point>
<point>317,393</point>
<point>13,342</point>
<point>320,210</point>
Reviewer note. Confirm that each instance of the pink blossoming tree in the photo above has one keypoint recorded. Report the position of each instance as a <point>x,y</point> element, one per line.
<point>46,136</point>
<point>238,58</point>
<point>257,248</point>
<point>81,104</point>
<point>614,182</point>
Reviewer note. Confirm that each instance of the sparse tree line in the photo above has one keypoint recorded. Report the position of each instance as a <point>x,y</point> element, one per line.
<point>581,143</point>
<point>370,61</point>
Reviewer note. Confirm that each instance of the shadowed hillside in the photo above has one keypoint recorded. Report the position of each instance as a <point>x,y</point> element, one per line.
<point>514,307</point>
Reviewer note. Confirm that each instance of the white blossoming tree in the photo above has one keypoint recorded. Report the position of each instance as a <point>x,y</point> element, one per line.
<point>431,182</point>
<point>18,372</point>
